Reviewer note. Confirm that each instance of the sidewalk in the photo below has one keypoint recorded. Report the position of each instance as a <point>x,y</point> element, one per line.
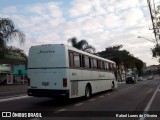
<point>121,82</point>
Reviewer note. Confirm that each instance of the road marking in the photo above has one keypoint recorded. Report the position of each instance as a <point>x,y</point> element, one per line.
<point>92,100</point>
<point>78,104</point>
<point>35,119</point>
<point>5,97</point>
<point>101,96</point>
<point>149,91</point>
<point>149,103</point>
<point>60,110</point>
<point>14,98</point>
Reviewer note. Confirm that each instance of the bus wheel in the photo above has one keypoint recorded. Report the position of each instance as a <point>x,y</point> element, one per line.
<point>113,86</point>
<point>88,92</point>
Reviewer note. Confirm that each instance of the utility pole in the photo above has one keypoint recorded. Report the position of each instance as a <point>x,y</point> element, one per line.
<point>152,18</point>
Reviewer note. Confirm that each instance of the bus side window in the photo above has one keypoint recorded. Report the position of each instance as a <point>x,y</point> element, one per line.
<point>105,65</point>
<point>71,59</point>
<point>112,67</point>
<point>82,61</point>
<point>80,56</point>
<point>115,66</point>
<point>102,63</point>
<point>86,61</point>
<point>76,60</point>
<point>95,63</point>
<point>98,64</point>
<point>91,62</point>
<point>109,64</point>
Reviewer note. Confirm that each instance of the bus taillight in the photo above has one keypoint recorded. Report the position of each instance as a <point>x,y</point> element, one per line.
<point>64,82</point>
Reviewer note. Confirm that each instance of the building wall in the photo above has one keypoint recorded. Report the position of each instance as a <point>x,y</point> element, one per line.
<point>19,70</point>
<point>4,68</point>
<point>153,67</point>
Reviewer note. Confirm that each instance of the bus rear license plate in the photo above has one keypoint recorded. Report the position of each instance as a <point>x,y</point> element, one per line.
<point>45,83</point>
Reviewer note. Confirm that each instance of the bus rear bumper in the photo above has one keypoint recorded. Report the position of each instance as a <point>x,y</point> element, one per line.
<point>48,93</point>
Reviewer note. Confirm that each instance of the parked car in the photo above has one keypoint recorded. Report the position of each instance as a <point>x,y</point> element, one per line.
<point>3,81</point>
<point>130,79</point>
<point>140,79</point>
<point>150,78</point>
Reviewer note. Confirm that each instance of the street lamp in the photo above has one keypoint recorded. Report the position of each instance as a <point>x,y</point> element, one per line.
<point>146,39</point>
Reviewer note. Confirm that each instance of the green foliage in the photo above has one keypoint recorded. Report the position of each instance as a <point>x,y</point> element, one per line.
<point>112,53</point>
<point>7,33</point>
<point>122,57</point>
<point>157,18</point>
<point>156,51</point>
<point>81,45</point>
<point>15,51</point>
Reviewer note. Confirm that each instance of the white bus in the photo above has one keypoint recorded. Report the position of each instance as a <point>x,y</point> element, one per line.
<point>58,70</point>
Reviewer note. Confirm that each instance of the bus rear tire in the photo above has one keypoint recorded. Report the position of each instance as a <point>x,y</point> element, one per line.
<point>113,86</point>
<point>88,91</point>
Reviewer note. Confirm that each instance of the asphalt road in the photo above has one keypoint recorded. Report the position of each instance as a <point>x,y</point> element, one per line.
<point>7,91</point>
<point>127,99</point>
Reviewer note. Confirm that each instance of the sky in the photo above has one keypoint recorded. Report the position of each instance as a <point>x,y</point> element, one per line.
<point>103,23</point>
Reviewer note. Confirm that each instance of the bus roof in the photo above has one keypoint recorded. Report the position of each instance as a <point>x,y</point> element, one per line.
<point>76,50</point>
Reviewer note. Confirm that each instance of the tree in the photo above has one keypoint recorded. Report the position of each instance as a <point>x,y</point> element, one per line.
<point>122,57</point>
<point>113,53</point>
<point>7,33</point>
<point>81,45</point>
<point>15,51</point>
<point>156,51</point>
<point>156,22</point>
<point>139,66</point>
